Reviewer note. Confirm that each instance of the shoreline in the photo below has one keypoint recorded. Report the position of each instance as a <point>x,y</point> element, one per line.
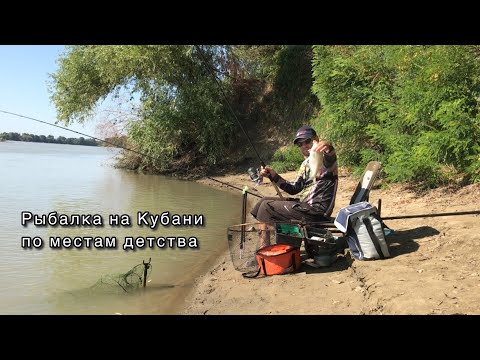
<point>434,267</point>
<point>223,258</point>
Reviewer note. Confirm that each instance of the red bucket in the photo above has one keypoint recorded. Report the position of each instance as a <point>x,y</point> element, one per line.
<point>278,259</point>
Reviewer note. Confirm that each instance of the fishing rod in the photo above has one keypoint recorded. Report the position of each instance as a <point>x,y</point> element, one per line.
<point>110,143</point>
<point>233,186</point>
<point>474,212</point>
<point>262,163</point>
<point>77,132</point>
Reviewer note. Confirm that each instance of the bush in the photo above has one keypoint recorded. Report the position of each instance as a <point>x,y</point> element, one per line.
<point>287,159</point>
<point>415,108</point>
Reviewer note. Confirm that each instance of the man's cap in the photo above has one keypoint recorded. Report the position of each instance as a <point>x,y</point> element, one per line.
<point>305,132</point>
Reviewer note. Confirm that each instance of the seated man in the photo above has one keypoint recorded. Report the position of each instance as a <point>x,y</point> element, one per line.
<point>317,196</point>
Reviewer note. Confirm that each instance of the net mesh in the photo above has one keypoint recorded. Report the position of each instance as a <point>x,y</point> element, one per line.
<point>123,282</point>
<point>243,241</point>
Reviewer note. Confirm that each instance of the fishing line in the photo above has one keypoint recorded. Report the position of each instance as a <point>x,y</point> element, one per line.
<point>77,132</point>
<point>107,142</point>
<point>219,85</point>
<point>233,186</point>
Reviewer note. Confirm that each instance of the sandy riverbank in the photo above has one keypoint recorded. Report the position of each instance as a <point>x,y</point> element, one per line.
<point>434,268</point>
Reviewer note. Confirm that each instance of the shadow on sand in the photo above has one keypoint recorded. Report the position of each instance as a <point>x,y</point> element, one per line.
<point>400,243</point>
<point>403,241</point>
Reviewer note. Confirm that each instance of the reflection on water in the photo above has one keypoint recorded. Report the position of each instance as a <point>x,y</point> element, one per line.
<point>69,179</point>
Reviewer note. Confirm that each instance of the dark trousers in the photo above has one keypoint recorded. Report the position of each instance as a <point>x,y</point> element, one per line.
<point>273,209</point>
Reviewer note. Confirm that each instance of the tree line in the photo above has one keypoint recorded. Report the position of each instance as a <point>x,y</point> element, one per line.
<point>13,136</point>
<point>414,108</point>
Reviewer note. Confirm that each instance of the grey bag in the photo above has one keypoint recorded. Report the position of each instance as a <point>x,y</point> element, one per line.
<point>365,231</point>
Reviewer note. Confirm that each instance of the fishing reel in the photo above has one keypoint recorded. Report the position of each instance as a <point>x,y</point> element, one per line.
<point>255,175</point>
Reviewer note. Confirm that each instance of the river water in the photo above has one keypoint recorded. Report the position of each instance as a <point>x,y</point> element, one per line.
<point>43,178</point>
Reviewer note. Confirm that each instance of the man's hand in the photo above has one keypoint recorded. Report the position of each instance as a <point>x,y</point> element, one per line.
<point>267,171</point>
<point>321,146</point>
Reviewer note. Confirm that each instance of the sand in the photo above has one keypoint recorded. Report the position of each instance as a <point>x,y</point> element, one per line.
<point>434,268</point>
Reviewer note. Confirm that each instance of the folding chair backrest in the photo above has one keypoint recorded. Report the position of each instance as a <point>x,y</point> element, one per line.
<point>362,191</point>
<point>366,182</point>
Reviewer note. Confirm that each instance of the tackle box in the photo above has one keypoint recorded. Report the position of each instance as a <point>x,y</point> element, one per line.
<point>289,234</point>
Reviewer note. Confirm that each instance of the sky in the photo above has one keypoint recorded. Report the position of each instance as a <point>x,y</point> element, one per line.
<point>24,79</point>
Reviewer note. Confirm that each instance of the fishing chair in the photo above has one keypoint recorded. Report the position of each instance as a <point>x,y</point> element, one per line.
<point>365,185</point>
<point>362,191</point>
<point>317,233</point>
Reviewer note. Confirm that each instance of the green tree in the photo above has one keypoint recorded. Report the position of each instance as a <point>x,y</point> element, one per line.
<point>415,108</point>
<point>181,110</point>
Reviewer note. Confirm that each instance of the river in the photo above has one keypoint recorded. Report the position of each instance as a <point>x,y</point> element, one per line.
<point>38,179</point>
